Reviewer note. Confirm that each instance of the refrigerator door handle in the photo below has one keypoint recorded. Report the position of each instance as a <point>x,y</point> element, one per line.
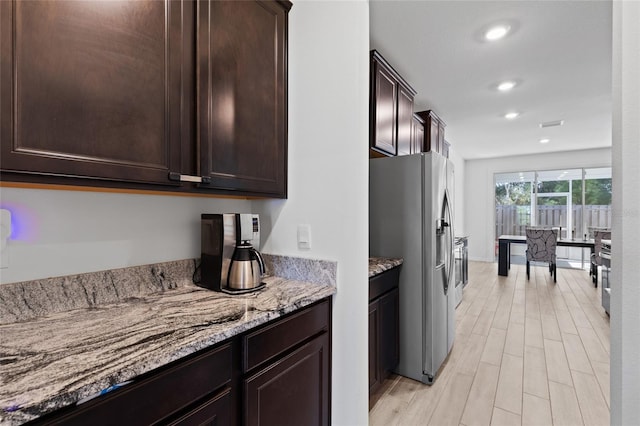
<point>446,213</point>
<point>452,258</point>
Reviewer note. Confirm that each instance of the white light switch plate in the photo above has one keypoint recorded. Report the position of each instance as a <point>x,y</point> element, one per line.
<point>304,237</point>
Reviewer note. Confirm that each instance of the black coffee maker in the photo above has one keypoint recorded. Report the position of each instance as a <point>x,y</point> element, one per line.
<point>230,262</point>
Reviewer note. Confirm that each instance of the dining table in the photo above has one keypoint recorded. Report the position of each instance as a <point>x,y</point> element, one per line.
<point>505,241</point>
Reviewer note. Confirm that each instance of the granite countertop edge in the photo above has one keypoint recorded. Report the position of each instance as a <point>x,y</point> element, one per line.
<point>191,329</point>
<point>378,265</point>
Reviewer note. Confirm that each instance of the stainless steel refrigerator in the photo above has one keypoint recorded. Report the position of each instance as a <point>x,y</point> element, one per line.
<point>411,216</point>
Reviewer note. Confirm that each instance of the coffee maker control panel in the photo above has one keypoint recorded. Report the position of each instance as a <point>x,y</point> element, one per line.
<point>246,227</point>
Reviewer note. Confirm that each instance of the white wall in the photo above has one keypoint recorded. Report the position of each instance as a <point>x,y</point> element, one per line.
<point>328,178</point>
<point>625,291</point>
<point>63,232</point>
<point>459,164</point>
<point>479,189</point>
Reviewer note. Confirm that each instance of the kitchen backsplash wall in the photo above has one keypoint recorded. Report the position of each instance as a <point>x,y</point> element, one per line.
<point>59,232</point>
<point>27,300</point>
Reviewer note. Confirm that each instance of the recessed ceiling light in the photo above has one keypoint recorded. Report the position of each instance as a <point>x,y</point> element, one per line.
<point>506,86</point>
<point>497,32</point>
<point>511,115</point>
<point>545,140</point>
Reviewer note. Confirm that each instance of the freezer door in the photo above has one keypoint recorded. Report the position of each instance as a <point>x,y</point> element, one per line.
<point>436,265</point>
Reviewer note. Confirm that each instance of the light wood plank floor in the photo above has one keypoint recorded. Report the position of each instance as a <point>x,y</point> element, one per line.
<point>526,353</point>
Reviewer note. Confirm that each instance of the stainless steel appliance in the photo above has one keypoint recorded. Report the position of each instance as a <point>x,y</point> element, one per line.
<point>605,256</point>
<point>462,266</point>
<point>230,261</point>
<point>411,216</point>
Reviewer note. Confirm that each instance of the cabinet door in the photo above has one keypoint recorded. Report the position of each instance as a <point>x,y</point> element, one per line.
<point>389,331</point>
<point>417,136</point>
<point>434,137</point>
<point>292,391</point>
<point>95,89</point>
<point>242,95</point>
<point>433,131</point>
<point>405,121</point>
<point>384,104</point>
<point>374,354</point>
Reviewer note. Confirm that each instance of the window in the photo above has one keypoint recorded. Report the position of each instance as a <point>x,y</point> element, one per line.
<point>574,200</point>
<point>513,202</point>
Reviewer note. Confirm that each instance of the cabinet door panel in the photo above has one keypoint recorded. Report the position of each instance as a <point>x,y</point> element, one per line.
<point>389,307</point>
<point>434,136</point>
<point>374,353</point>
<point>441,142</point>
<point>242,95</point>
<point>417,136</point>
<point>405,119</point>
<point>292,391</point>
<point>94,88</point>
<point>386,92</point>
<point>433,131</point>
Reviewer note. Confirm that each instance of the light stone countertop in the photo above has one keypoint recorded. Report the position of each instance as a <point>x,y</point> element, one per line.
<point>54,361</point>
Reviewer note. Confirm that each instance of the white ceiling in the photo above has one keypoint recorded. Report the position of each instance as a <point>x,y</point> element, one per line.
<point>558,51</point>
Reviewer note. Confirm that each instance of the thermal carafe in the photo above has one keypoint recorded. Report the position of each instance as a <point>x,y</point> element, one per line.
<point>230,261</point>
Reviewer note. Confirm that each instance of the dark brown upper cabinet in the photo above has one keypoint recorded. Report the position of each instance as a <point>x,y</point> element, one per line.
<point>405,120</point>
<point>433,131</point>
<point>242,95</point>
<point>390,109</point>
<point>95,89</point>
<point>131,93</point>
<point>417,134</point>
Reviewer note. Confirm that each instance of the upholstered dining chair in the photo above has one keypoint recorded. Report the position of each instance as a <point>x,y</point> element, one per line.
<point>541,247</point>
<point>599,234</point>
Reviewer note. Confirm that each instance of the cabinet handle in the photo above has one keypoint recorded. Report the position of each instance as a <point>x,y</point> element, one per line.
<point>188,178</point>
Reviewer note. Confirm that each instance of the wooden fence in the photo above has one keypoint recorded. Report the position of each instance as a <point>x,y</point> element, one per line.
<point>512,220</point>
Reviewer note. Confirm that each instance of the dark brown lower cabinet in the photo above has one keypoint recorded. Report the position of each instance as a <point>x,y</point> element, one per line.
<point>389,307</point>
<point>374,354</point>
<point>384,327</point>
<point>166,394</point>
<point>276,374</point>
<point>384,337</point>
<point>214,412</point>
<point>291,391</point>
